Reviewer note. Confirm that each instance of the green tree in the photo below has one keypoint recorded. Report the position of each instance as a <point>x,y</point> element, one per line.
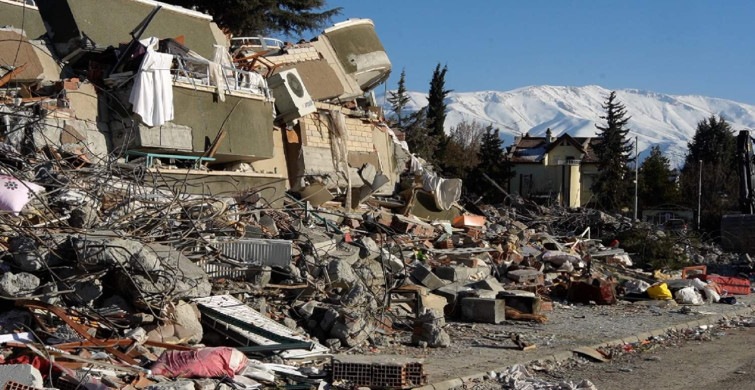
<point>656,186</point>
<point>399,99</point>
<point>715,146</point>
<point>462,149</point>
<point>493,163</point>
<point>264,17</point>
<point>418,136</point>
<point>436,110</point>
<point>611,187</point>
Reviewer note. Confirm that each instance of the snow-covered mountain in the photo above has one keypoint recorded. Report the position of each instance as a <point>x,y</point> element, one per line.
<point>656,118</point>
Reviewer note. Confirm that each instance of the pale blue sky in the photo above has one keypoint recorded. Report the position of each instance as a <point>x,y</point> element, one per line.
<point>677,47</point>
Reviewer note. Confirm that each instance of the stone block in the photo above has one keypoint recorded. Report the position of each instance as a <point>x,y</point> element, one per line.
<point>425,277</point>
<point>492,311</point>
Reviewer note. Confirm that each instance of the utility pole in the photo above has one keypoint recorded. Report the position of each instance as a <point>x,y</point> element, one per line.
<point>699,192</point>
<point>636,169</point>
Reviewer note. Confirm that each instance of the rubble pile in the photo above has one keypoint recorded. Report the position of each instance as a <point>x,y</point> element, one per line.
<point>234,216</point>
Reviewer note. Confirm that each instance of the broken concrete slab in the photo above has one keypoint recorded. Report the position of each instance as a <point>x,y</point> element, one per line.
<point>368,173</point>
<point>179,277</point>
<point>103,249</point>
<point>35,254</point>
<point>524,275</point>
<point>24,374</point>
<point>490,283</point>
<point>391,261</point>
<point>461,273</point>
<point>370,249</point>
<point>341,273</point>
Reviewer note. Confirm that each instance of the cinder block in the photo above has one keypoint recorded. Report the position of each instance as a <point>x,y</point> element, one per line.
<point>524,301</point>
<point>492,311</point>
<point>425,277</point>
<point>451,293</point>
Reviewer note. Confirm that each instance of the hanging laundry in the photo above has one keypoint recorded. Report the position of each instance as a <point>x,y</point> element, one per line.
<point>152,95</point>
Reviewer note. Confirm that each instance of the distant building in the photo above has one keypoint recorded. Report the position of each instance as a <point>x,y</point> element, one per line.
<point>552,169</point>
<point>658,215</point>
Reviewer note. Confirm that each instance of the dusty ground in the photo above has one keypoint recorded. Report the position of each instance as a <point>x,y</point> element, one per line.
<point>727,361</point>
<point>483,347</point>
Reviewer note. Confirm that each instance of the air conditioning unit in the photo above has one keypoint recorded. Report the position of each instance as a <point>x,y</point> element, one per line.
<point>291,97</point>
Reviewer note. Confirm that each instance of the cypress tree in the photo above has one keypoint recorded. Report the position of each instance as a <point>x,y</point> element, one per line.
<point>399,100</point>
<point>436,110</point>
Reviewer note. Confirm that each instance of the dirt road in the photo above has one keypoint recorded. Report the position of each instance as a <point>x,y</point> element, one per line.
<point>726,362</point>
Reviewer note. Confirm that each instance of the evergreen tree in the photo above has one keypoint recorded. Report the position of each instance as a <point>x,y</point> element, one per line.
<point>418,136</point>
<point>716,146</point>
<point>493,163</point>
<point>611,188</point>
<point>399,100</point>
<point>656,187</point>
<point>436,110</point>
<point>264,17</point>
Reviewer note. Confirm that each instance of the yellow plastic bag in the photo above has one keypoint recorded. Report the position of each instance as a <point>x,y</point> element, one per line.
<point>660,291</point>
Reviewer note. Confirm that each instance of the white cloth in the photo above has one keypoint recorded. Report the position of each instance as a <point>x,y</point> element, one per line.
<point>218,75</point>
<point>152,95</point>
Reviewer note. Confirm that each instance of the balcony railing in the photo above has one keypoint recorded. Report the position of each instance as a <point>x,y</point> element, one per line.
<point>196,71</point>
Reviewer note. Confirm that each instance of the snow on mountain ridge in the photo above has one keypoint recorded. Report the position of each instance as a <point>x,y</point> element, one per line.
<point>656,118</point>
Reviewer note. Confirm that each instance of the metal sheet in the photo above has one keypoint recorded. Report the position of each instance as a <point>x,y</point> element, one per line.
<point>231,306</point>
<point>273,253</point>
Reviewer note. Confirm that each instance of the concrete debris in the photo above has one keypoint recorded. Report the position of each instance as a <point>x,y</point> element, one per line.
<point>287,228</point>
<point>18,285</point>
<point>23,374</point>
<point>428,330</point>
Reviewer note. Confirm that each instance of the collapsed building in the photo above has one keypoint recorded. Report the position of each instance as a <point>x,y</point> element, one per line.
<point>176,203</point>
